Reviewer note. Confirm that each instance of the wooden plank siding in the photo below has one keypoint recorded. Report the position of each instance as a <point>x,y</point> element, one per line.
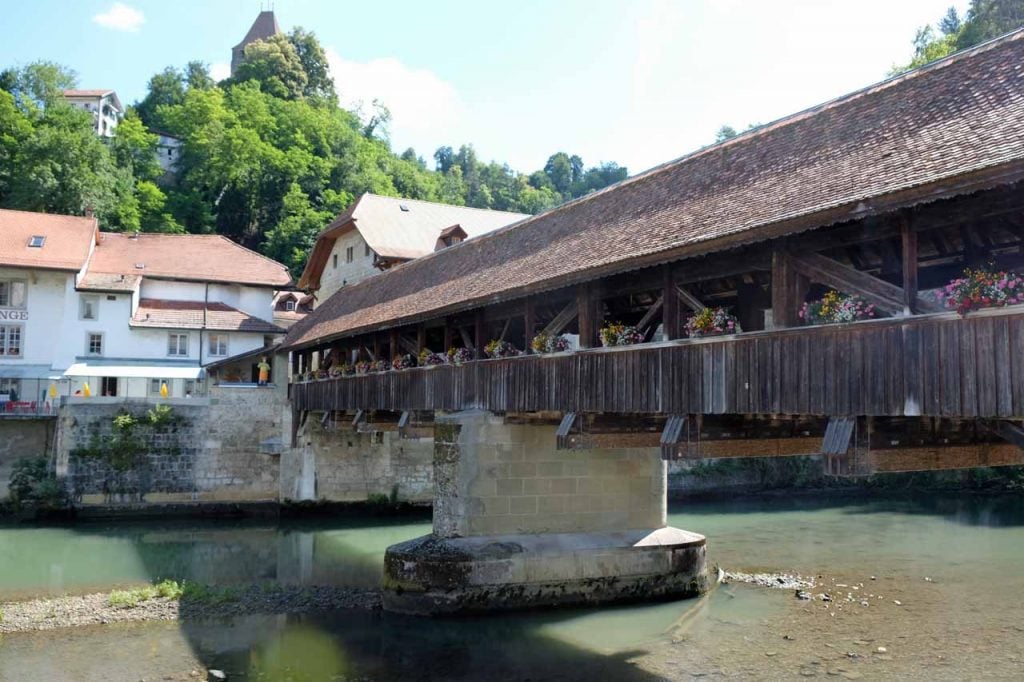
<point>938,365</point>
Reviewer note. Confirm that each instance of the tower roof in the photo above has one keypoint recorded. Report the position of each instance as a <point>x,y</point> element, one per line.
<point>264,27</point>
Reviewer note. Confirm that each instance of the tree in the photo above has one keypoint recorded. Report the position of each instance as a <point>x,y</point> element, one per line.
<point>36,85</point>
<point>319,83</point>
<point>165,89</point>
<point>444,158</point>
<point>275,65</point>
<point>725,133</point>
<point>985,19</point>
<point>197,75</point>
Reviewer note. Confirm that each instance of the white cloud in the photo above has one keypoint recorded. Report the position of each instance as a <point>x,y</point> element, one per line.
<point>426,110</point>
<point>219,71</point>
<point>120,17</point>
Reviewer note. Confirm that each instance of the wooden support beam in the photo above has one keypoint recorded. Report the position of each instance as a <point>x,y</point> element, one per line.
<point>564,433</point>
<point>886,297</point>
<point>689,300</point>
<point>586,306</point>
<point>529,322</point>
<point>504,329</point>
<point>447,334</point>
<point>562,319</point>
<point>376,346</point>
<point>478,334</point>
<point>670,304</point>
<point>421,339</point>
<point>467,340</point>
<point>393,342</point>
<point>908,237</point>
<point>645,321</point>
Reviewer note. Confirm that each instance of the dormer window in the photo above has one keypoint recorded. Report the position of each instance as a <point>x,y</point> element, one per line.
<point>289,306</point>
<point>36,241</point>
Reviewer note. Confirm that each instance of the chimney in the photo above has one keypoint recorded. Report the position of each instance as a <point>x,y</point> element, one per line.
<point>89,212</point>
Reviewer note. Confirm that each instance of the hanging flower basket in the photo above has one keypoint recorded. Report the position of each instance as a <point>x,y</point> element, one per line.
<point>711,322</point>
<point>362,367</point>
<point>403,362</point>
<point>981,288</point>
<point>549,343</point>
<point>501,349</point>
<point>617,334</point>
<point>458,356</point>
<point>836,307</point>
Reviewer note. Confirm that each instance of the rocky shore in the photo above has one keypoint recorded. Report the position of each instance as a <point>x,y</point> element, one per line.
<point>103,608</point>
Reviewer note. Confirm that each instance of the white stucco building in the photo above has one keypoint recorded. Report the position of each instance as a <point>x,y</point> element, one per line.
<point>377,233</point>
<point>123,313</point>
<point>168,151</point>
<point>104,106</point>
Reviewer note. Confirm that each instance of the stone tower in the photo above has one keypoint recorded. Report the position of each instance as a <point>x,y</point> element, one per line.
<point>263,28</point>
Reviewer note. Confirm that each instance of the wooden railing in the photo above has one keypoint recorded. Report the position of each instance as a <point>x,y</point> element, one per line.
<point>932,365</point>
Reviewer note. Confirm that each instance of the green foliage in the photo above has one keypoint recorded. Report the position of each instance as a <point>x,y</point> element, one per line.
<point>174,590</point>
<point>377,500</point>
<point>985,19</point>
<point>33,484</point>
<point>268,157</point>
<point>125,422</point>
<point>161,415</point>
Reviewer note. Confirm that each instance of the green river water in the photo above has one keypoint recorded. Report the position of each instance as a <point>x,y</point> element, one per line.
<point>955,564</point>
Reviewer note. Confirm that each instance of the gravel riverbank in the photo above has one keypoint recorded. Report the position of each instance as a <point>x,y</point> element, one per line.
<point>97,609</point>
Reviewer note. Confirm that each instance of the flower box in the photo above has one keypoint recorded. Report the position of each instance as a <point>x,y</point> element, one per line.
<point>977,289</point>
<point>835,307</point>
<point>501,349</point>
<point>711,322</point>
<point>617,334</point>
<point>550,343</point>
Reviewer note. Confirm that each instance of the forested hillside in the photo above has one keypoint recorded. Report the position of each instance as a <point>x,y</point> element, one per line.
<point>269,157</point>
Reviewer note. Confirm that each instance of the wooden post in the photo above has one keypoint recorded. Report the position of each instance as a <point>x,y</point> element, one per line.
<point>909,239</point>
<point>376,346</point>
<point>478,334</point>
<point>393,343</point>
<point>587,315</point>
<point>788,290</point>
<point>447,334</point>
<point>295,363</point>
<point>669,304</point>
<point>421,338</point>
<point>529,322</point>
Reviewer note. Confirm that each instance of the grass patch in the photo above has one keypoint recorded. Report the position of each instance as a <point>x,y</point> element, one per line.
<point>172,589</point>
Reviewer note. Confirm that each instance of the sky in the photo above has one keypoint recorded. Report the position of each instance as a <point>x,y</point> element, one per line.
<point>639,82</point>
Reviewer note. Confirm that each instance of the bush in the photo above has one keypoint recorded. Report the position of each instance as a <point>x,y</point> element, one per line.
<point>32,483</point>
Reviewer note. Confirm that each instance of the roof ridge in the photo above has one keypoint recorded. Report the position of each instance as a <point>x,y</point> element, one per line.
<point>441,203</point>
<point>47,213</point>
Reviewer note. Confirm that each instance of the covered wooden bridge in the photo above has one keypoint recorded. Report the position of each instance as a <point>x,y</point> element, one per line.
<point>887,194</point>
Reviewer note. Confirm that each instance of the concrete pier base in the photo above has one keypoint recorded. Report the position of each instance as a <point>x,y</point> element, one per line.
<point>434,576</point>
<point>520,524</point>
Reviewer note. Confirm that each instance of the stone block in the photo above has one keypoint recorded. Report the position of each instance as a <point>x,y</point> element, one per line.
<point>510,486</point>
<point>522,505</point>
<point>523,469</point>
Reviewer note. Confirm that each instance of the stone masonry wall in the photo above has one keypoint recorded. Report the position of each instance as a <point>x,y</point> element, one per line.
<point>221,448</point>
<point>334,463</point>
<point>19,439</point>
<point>496,478</point>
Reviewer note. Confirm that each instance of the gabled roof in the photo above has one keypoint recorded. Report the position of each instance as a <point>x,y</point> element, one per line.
<point>67,240</point>
<point>191,257</point>
<point>166,314</point>
<point>948,128</point>
<point>95,94</point>
<point>400,229</point>
<point>264,27</point>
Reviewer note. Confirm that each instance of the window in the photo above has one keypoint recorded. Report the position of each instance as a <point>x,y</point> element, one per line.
<point>88,307</point>
<point>36,241</point>
<point>218,345</point>
<point>177,344</point>
<point>9,389</point>
<point>10,340</point>
<point>12,294</point>
<point>335,266</point>
<point>155,384</point>
<point>290,305</point>
<point>190,388</point>
<point>349,254</point>
<point>111,298</point>
<point>108,386</point>
<point>94,343</point>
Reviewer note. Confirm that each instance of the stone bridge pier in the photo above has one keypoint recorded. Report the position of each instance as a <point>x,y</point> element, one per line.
<point>519,524</point>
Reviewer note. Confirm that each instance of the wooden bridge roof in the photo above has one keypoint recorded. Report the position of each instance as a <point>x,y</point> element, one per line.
<point>948,128</point>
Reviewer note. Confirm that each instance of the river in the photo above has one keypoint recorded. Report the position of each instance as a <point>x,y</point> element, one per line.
<point>955,565</point>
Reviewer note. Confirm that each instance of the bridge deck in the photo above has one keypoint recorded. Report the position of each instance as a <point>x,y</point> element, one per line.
<point>937,365</point>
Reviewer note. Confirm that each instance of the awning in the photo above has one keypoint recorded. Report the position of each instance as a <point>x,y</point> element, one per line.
<point>28,372</point>
<point>82,369</point>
